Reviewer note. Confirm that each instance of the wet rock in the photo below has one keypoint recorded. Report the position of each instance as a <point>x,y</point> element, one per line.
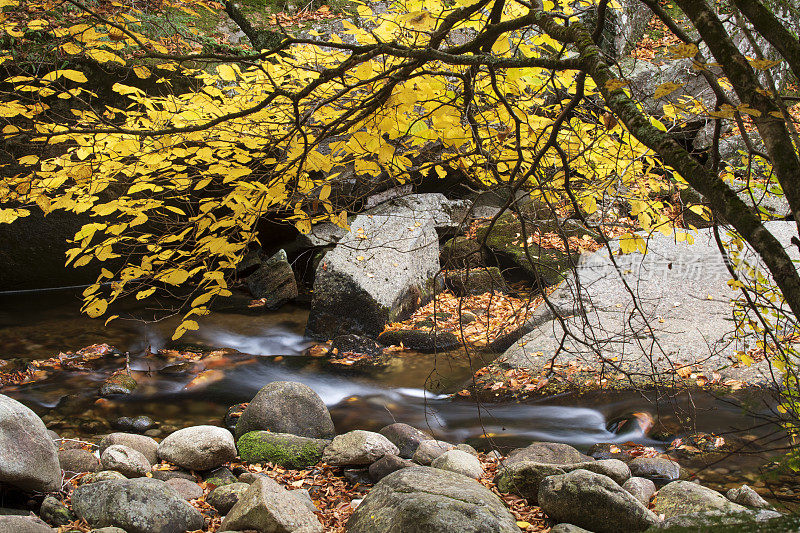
<point>420,340</point>
<point>287,450</point>
<point>144,445</point>
<point>126,461</point>
<point>658,469</point>
<point>420,499</point>
<point>267,506</point>
<point>54,512</point>
<point>357,447</point>
<point>225,497</point>
<point>103,475</point>
<point>430,449</point>
<point>405,437</point>
<point>386,465</point>
<point>140,505</point>
<point>287,407</point>
<point>524,477</point>
<point>642,489</point>
<point>593,501</point>
<point>118,383</point>
<point>460,462</point>
<point>189,490</point>
<point>684,497</point>
<point>273,281</point>
<point>355,344</point>
<point>219,477</point>
<point>746,496</point>
<point>28,456</point>
<point>198,447</point>
<point>137,424</point>
<point>365,283</point>
<point>78,460</point>
<point>24,524</point>
<point>554,453</point>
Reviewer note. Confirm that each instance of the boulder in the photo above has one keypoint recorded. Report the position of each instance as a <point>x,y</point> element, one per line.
<point>28,456</point>
<point>378,273</point>
<point>422,499</point>
<point>738,522</point>
<point>145,445</point>
<point>355,344</point>
<point>273,281</point>
<point>357,447</point>
<point>386,465</point>
<point>461,252</point>
<point>268,507</point>
<point>685,497</point>
<point>658,469</point>
<point>287,450</point>
<point>287,407</point>
<point>405,437</point>
<point>642,489</point>
<point>54,512</point>
<point>554,453</point>
<point>746,496</point>
<point>593,501</point>
<point>430,449</point>
<point>198,447</point>
<point>420,340</point>
<point>126,461</point>
<point>613,468</point>
<point>524,477</point>
<point>189,490</point>
<point>225,497</point>
<point>118,383</point>
<point>567,528</point>
<point>78,460</point>
<point>142,505</point>
<point>460,462</point>
<point>219,477</point>
<point>24,524</point>
<point>103,475</point>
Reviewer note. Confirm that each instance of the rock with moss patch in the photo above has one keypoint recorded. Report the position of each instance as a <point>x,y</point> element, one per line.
<point>461,252</point>
<point>55,513</point>
<point>475,281</point>
<point>290,451</point>
<point>224,498</point>
<point>685,497</point>
<point>118,383</point>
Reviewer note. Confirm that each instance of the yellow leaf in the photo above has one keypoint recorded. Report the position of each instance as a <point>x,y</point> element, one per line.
<point>203,298</point>
<point>763,64</point>
<point>38,24</point>
<point>190,325</point>
<point>226,72</point>
<point>71,48</point>
<point>28,160</point>
<point>97,307</point>
<point>112,317</point>
<point>83,261</point>
<point>141,295</point>
<point>616,83</point>
<point>141,72</point>
<point>174,277</point>
<point>104,56</point>
<point>684,50</point>
<point>325,192</point>
<point>303,226</point>
<point>667,88</point>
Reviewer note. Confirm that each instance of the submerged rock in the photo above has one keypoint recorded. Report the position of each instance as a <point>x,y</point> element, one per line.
<point>291,451</point>
<point>421,340</point>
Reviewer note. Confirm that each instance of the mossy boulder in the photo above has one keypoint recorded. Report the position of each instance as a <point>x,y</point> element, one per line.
<point>290,451</point>
<point>461,252</point>
<point>475,281</point>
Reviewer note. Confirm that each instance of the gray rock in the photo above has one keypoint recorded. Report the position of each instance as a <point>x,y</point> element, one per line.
<point>24,524</point>
<point>126,461</point>
<point>685,497</point>
<point>593,501</point>
<point>358,476</point>
<point>273,281</point>
<point>642,489</point>
<point>464,447</point>
<point>405,437</point>
<point>28,456</point>
<point>554,453</point>
<point>287,407</point>
<point>268,507</point>
<point>523,478</point>
<point>109,529</point>
<point>364,283</point>
<point>78,460</point>
<point>54,512</point>
<point>655,468</point>
<point>422,499</point>
<point>386,465</point>
<point>198,447</point>
<point>166,475</point>
<point>746,496</point>
<point>140,505</point>
<point>142,444</point>
<point>460,462</point>
<point>291,451</point>
<point>428,450</point>
<point>357,447</point>
<point>617,470</point>
<point>189,490</point>
<point>712,520</point>
<point>103,475</point>
<point>325,234</point>
<point>568,528</point>
<point>225,497</point>
<point>219,477</point>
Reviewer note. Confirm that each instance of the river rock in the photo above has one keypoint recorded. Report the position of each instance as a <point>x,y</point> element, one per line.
<point>287,407</point>
<point>28,456</point>
<point>421,499</point>
<point>147,446</point>
<point>24,524</point>
<point>386,465</point>
<point>430,449</point>
<point>103,475</point>
<point>291,451</point>
<point>355,344</point>
<point>405,437</point>
<point>475,281</point>
<point>357,447</point>
<point>746,496</point>
<point>593,501</point>
<point>118,383</point>
<point>641,488</point>
<point>166,475</point>
<point>658,469</point>
<point>613,468</point>
<point>420,340</point>
<point>460,462</point>
<point>267,506</point>
<point>568,528</point>
<point>273,281</point>
<point>198,447</point>
<point>524,477</point>
<point>219,477</point>
<point>377,273</point>
<point>126,461</point>
<point>54,512</point>
<point>78,460</point>
<point>225,497</point>
<point>189,490</point>
<point>554,453</point>
<point>685,497</point>
<point>142,505</point>
<point>750,520</point>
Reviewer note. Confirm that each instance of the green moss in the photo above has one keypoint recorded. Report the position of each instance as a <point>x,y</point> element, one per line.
<point>290,451</point>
